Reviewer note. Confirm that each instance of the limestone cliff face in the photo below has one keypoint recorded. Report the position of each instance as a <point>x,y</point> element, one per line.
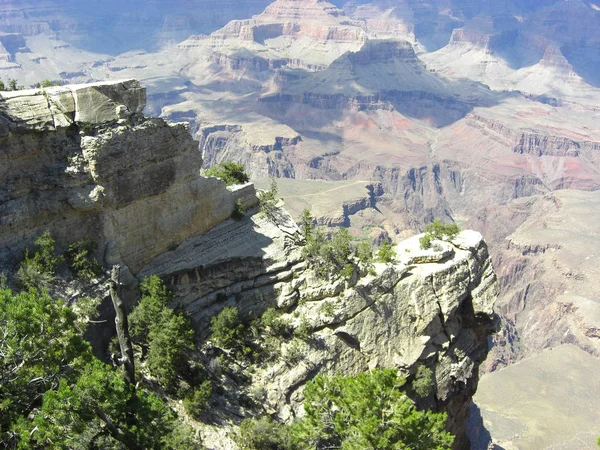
<point>431,308</point>
<point>84,161</point>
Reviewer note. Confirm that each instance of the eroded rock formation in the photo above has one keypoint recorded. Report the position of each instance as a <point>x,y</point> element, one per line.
<point>83,161</point>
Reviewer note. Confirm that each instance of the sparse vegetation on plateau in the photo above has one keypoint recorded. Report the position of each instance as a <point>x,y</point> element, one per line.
<point>437,230</point>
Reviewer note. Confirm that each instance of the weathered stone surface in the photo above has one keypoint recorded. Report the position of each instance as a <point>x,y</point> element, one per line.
<point>83,161</point>
<point>437,313</point>
<point>57,107</point>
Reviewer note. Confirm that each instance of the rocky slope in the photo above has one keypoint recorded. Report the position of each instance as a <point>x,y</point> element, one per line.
<point>431,307</point>
<point>83,161</point>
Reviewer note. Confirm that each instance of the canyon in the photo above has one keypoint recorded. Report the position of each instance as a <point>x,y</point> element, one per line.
<point>379,116</point>
<point>83,160</point>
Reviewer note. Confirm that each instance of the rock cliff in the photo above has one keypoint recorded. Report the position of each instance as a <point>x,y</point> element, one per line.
<point>83,161</point>
<point>432,308</point>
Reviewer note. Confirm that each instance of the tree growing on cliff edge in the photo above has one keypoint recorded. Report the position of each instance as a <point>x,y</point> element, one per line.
<point>437,230</point>
<point>230,172</point>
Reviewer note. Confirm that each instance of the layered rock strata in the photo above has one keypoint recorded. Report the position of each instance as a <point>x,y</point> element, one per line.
<point>84,161</point>
<point>431,308</point>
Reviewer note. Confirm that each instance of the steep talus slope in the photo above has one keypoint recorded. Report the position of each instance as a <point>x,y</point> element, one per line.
<point>83,161</point>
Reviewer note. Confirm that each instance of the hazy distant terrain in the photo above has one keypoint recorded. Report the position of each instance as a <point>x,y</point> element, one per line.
<point>484,112</point>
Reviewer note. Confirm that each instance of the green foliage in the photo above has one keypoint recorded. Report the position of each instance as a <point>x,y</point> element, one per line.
<point>74,413</point>
<point>227,329</point>
<point>327,309</point>
<point>307,224</point>
<point>295,351</point>
<point>238,210</point>
<point>2,86</point>
<point>423,382</point>
<point>81,260</point>
<point>39,345</point>
<point>368,411</point>
<point>55,394</point>
<point>46,84</point>
<point>437,230</point>
<point>87,129</point>
<point>12,84</point>
<point>197,402</point>
<point>85,309</point>
<point>272,323</point>
<point>303,331</point>
<point>268,200</point>
<point>329,258</point>
<point>181,437</point>
<point>386,252</point>
<point>230,172</point>
<point>264,434</point>
<point>145,316</point>
<point>38,271</point>
<point>166,334</point>
<point>364,252</point>
<point>169,343</point>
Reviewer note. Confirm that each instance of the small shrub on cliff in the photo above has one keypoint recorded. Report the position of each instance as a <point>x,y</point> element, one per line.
<point>268,200</point>
<point>386,253</point>
<point>196,402</point>
<point>437,230</point>
<point>230,172</point>
<point>166,336</point>
<point>81,260</point>
<point>331,258</point>
<point>238,210</point>
<point>307,225</point>
<point>46,84</point>
<point>169,345</point>
<point>272,323</point>
<point>364,252</point>
<point>264,434</point>
<point>227,329</point>
<point>39,270</point>
<point>423,382</point>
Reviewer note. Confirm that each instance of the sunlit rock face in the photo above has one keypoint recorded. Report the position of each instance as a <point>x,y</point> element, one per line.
<point>83,161</point>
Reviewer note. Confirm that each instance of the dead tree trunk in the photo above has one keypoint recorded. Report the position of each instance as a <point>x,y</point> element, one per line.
<point>122,326</point>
